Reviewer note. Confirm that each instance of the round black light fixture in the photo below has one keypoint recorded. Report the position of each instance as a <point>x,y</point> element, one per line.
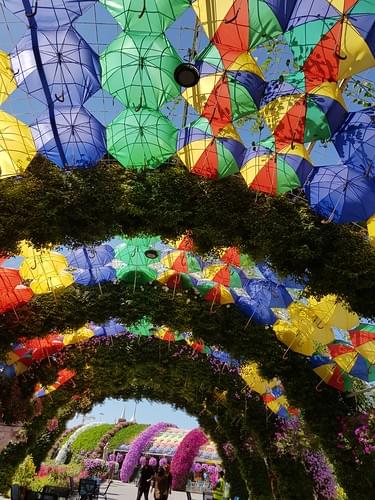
<point>186,75</point>
<point>151,253</point>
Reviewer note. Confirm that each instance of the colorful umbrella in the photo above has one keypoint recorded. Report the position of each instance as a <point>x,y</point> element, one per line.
<point>175,279</point>
<point>231,86</point>
<point>371,230</point>
<point>80,134</point>
<point>182,261</point>
<point>138,69</point>
<point>233,256</point>
<point>330,373</point>
<point>351,361</point>
<point>17,147</point>
<point>152,17</point>
<point>142,328</point>
<point>363,340</point>
<point>108,329</point>
<point>90,264</point>
<point>43,347</point>
<point>341,194</point>
<point>70,67</point>
<point>332,40</point>
<point>210,154</point>
<point>63,377</point>
<point>226,275</point>
<point>333,313</point>
<point>243,24</point>
<point>134,268</point>
<point>299,112</point>
<point>250,373</point>
<point>141,139</point>
<point>287,281</point>
<point>214,292</point>
<point>77,336</point>
<point>276,172</point>
<point>254,308</point>
<point>355,141</point>
<point>48,14</point>
<point>7,82</point>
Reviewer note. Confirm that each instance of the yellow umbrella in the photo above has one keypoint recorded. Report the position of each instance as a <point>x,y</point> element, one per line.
<point>47,284</point>
<point>76,336</point>
<point>17,146</point>
<point>333,313</point>
<point>43,264</point>
<point>7,80</point>
<point>371,229</point>
<point>257,383</point>
<point>295,339</point>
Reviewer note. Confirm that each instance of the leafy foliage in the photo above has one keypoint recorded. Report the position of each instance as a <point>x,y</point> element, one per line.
<point>125,435</point>
<point>88,439</point>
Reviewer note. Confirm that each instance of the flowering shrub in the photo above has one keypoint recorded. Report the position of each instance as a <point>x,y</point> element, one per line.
<point>358,434</point>
<point>153,462</point>
<point>184,457</point>
<point>52,424</point>
<point>96,467</point>
<point>229,451</point>
<point>291,440</point>
<point>137,447</point>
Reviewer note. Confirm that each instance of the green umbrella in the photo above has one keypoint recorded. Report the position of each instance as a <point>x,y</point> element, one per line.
<point>141,139</point>
<point>153,16</point>
<point>138,69</point>
<point>134,255</point>
<point>142,328</point>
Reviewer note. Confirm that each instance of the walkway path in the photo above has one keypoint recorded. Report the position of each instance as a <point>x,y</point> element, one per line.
<point>124,491</point>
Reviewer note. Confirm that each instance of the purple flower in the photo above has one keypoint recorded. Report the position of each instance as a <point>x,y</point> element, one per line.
<point>184,457</point>
<point>138,446</point>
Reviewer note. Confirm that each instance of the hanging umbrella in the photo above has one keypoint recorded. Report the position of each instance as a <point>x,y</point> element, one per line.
<point>142,328</point>
<point>363,340</point>
<point>87,257</point>
<point>333,313</point>
<point>43,347</point>
<point>332,40</point>
<point>94,276</point>
<point>175,279</point>
<point>70,67</point>
<point>276,172</point>
<point>226,90</point>
<point>371,230</point>
<point>185,243</point>
<point>152,17</point>
<point>287,281</point>
<point>214,292</point>
<point>243,24</point>
<point>12,293</point>
<point>48,14</point>
<point>17,147</point>
<point>139,68</point>
<point>7,82</point>
<point>167,334</point>
<point>76,336</point>
<point>256,308</point>
<point>112,327</point>
<point>209,154</point>
<point>181,261</point>
<point>355,141</point>
<point>81,135</point>
<point>341,194</point>
<point>63,376</point>
<point>269,293</point>
<point>135,267</point>
<point>351,361</point>
<point>141,139</point>
<point>330,373</point>
<point>226,275</point>
<point>299,112</point>
<point>250,373</point>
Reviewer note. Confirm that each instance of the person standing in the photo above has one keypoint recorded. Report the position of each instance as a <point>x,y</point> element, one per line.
<point>160,483</point>
<point>218,491</point>
<point>144,481</point>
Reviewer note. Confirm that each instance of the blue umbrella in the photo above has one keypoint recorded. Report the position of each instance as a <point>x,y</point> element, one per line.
<point>287,281</point>
<point>340,193</point>
<point>68,71</point>
<point>88,257</point>
<point>108,329</point>
<point>256,310</point>
<point>355,141</point>
<point>81,137</point>
<point>269,293</point>
<point>94,275</point>
<point>48,14</point>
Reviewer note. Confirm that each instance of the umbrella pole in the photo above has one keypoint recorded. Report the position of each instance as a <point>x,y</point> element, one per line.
<point>192,53</point>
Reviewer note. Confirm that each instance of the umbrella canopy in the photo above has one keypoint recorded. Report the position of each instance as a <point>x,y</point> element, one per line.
<point>227,90</point>
<point>165,333</point>
<point>297,111</point>
<point>226,275</point>
<point>42,347</point>
<point>330,373</point>
<point>252,377</point>
<point>333,312</point>
<point>94,276</point>
<point>7,82</point>
<point>63,377</point>
<point>351,361</point>
<point>363,340</point>
<point>139,68</point>
<point>209,154</point>
<point>142,328</point>
<point>134,268</point>
<point>175,279</point>
<point>332,40</point>
<point>233,256</point>
<point>214,292</point>
<point>276,172</point>
<point>88,257</point>
<point>371,230</point>
<point>287,281</point>
<point>152,17</point>
<point>355,141</point>
<point>48,14</point>
<point>71,70</point>
<point>112,327</point>
<point>81,135</point>
<point>77,336</point>
<point>141,139</point>
<point>341,193</point>
<point>12,293</point>
<point>269,293</point>
<point>17,147</point>
<point>243,24</point>
<point>182,261</point>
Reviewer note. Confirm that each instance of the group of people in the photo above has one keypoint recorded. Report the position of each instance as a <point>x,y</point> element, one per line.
<point>160,481</point>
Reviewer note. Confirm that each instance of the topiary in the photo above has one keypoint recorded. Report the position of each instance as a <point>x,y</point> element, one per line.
<point>25,473</point>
